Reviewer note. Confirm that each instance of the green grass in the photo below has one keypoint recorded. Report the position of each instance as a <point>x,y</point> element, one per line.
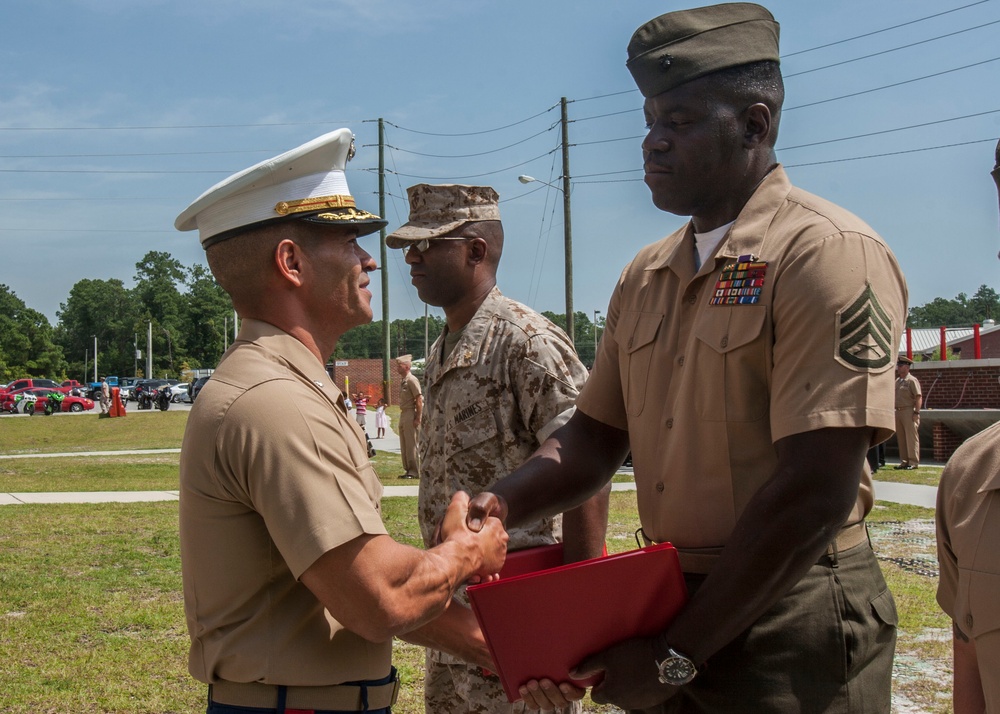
<point>91,614</point>
<point>921,476</point>
<point>90,432</point>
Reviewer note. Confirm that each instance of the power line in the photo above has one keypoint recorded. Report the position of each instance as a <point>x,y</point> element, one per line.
<point>468,156</point>
<point>472,176</point>
<point>893,153</point>
<point>175,126</point>
<point>889,86</point>
<point>887,131</point>
<point>894,49</point>
<point>886,29</point>
<point>473,133</point>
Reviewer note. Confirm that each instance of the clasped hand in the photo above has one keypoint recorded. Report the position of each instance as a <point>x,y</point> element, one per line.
<point>489,539</point>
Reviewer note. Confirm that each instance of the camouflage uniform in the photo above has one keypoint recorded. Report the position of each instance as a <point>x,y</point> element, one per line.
<point>511,380</point>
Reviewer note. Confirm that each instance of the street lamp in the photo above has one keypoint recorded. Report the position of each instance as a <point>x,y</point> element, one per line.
<point>567,247</point>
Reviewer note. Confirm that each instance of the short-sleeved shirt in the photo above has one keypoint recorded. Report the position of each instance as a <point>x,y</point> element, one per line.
<point>907,392</point>
<point>509,382</point>
<point>792,326</point>
<point>968,534</point>
<point>273,474</point>
<point>409,390</point>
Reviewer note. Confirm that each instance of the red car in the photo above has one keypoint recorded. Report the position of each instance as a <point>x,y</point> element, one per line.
<point>34,399</point>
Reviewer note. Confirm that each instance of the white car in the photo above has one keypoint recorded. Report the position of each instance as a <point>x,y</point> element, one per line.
<point>179,392</point>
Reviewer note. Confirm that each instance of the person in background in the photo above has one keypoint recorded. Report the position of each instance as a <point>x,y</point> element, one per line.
<point>105,395</point>
<point>293,589</point>
<point>361,408</point>
<point>411,406</point>
<point>381,419</point>
<point>497,382</point>
<point>908,402</point>
<point>747,360</point>
<point>968,531</point>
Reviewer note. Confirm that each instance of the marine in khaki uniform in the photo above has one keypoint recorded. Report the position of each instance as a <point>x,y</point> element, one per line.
<point>908,403</point>
<point>499,380</point>
<point>748,363</point>
<point>293,590</point>
<point>968,534</point>
<point>411,406</point>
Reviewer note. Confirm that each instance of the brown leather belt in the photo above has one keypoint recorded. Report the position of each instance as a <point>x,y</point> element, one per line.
<point>702,560</point>
<point>338,697</point>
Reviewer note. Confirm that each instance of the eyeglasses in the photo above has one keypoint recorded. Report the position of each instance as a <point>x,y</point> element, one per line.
<point>421,246</point>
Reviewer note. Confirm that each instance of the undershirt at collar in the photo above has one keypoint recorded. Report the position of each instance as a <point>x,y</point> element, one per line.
<point>705,243</point>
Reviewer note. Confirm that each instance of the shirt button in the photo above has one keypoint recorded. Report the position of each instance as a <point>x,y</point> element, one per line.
<point>692,299</point>
<point>680,360</point>
<point>724,341</point>
<point>670,423</point>
<point>659,487</point>
<point>630,343</point>
<point>968,622</point>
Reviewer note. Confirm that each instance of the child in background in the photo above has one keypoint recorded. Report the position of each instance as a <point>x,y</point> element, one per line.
<point>381,419</point>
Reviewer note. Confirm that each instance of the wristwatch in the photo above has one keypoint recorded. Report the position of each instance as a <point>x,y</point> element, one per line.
<point>676,669</point>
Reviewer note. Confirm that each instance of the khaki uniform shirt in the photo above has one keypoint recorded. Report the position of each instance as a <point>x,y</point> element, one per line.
<point>907,392</point>
<point>507,385</point>
<point>274,473</point>
<point>968,534</point>
<point>791,327</point>
<point>409,390</point>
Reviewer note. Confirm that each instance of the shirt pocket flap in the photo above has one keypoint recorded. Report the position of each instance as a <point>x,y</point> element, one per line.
<point>641,328</point>
<point>727,328</point>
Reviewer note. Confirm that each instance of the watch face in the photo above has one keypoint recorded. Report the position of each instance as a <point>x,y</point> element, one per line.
<point>677,670</point>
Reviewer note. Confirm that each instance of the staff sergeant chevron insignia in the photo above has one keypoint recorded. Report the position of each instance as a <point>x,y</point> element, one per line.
<point>864,334</point>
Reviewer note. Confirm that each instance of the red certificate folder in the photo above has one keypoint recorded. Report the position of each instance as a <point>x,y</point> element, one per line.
<point>543,624</point>
<point>531,560</point>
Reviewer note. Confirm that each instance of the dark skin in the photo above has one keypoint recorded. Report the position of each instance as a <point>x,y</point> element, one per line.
<point>704,156</point>
<point>458,275</point>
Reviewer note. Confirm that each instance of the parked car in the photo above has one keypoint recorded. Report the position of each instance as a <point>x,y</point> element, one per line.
<point>28,383</point>
<point>179,392</point>
<point>196,387</point>
<point>35,399</point>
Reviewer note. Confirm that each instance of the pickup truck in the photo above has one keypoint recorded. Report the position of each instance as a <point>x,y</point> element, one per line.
<point>95,388</point>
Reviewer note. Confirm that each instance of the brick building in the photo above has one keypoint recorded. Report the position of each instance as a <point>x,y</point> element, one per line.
<point>960,398</point>
<point>364,375</point>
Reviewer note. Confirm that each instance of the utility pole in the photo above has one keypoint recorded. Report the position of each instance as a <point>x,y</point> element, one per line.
<point>149,350</point>
<point>567,225</point>
<point>383,258</point>
<point>95,358</point>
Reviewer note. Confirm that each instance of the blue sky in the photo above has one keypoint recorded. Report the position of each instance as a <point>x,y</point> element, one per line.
<point>115,114</point>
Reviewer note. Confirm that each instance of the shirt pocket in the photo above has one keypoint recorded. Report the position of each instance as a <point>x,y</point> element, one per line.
<point>638,331</point>
<point>731,360</point>
<point>470,446</point>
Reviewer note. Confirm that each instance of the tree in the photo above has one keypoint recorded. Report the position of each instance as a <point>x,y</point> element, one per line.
<point>160,302</point>
<point>27,341</point>
<point>208,314</point>
<point>962,311</point>
<point>104,309</point>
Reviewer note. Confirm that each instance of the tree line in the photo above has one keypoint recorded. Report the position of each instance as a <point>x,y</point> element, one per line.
<point>190,318</point>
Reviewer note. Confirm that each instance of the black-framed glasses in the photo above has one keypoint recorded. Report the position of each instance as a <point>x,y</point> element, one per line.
<point>422,245</point>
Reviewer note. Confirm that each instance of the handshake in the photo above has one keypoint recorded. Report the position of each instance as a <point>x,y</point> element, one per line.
<point>475,528</point>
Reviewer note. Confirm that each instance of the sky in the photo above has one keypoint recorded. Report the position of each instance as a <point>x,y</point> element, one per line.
<point>115,115</point>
